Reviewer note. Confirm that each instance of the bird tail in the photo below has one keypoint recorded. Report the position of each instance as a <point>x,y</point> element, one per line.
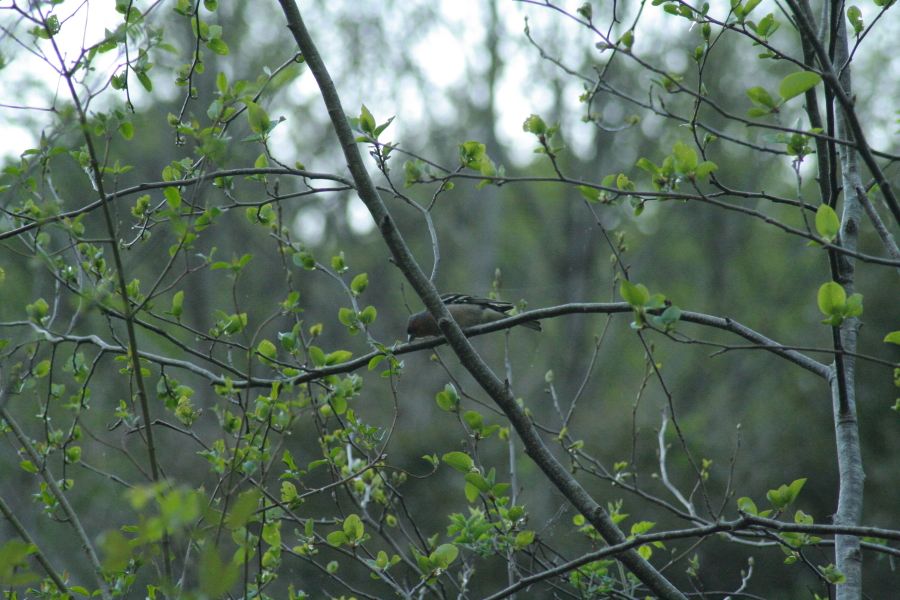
<point>535,325</point>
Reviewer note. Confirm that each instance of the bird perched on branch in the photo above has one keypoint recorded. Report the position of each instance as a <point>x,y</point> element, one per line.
<point>468,311</point>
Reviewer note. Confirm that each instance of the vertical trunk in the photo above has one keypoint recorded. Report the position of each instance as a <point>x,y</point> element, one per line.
<point>848,557</point>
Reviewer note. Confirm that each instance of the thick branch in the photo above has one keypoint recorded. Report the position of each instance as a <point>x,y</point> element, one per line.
<point>833,81</point>
<point>534,446</point>
<point>745,523</point>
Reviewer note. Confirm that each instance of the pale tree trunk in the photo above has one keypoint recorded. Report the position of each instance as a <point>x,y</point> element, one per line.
<point>848,557</point>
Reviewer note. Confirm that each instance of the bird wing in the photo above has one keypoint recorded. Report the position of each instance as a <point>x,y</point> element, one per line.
<point>497,305</point>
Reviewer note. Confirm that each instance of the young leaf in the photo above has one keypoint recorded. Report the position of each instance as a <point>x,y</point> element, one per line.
<point>797,83</point>
<point>590,194</point>
<point>257,118</point>
<point>448,398</point>
<point>635,295</point>
<point>267,349</point>
<point>353,527</point>
<point>827,222</point>
<point>685,157</point>
<point>831,299</point>
<point>705,168</point>
<point>366,120</point>
<point>854,15</point>
<point>460,461</point>
<point>534,124</point>
<point>747,505</point>
<point>359,283</point>
<point>761,97</point>
<point>444,555</point>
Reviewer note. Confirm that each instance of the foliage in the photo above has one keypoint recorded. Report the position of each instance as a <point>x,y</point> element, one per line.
<point>212,401</point>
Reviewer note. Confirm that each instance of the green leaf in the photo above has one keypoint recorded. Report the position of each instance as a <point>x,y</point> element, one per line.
<point>243,509</point>
<point>892,338</point>
<point>145,80</point>
<point>126,129</point>
<point>304,259</point>
<point>534,124</point>
<point>116,550</point>
<point>635,295</point>
<point>761,97</point>
<point>42,369</point>
<point>647,165</point>
<point>173,197</point>
<point>854,15</point>
<point>338,356</point>
<point>832,574</point>
<point>28,466</point>
<point>827,222</point>
<point>317,356</point>
<point>590,194</point>
<point>216,576</point>
<point>37,310</point>
<point>336,538</point>
<point>271,533</point>
<point>288,491</point>
<point>471,492</point>
<point>705,168</point>
<point>785,494</point>
<point>267,349</point>
<point>586,11</point>
<point>367,315</point>
<point>460,461</point>
<point>221,82</point>
<point>797,83</point>
<point>747,8</point>
<point>623,183</point>
<point>747,505</point>
<point>803,518</point>
<point>444,555</point>
<point>366,121</point>
<point>854,306</point>
<point>359,283</point>
<point>218,46</point>
<point>375,361</point>
<point>257,118</point>
<point>177,304</point>
<point>448,398</point>
<point>353,528</point>
<point>642,527</point>
<point>524,538</point>
<point>685,157</point>
<point>472,154</point>
<point>477,480</point>
<point>347,316</point>
<point>831,299</point>
<point>338,263</point>
<point>474,420</point>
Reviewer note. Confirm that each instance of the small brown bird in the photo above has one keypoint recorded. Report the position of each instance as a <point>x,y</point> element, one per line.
<point>468,311</point>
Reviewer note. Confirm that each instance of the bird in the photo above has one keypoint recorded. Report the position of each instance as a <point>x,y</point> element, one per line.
<point>468,311</point>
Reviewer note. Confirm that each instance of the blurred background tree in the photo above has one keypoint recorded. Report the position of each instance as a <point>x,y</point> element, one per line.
<point>242,277</point>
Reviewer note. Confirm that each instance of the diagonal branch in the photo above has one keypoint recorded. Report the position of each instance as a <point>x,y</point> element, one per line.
<point>57,492</point>
<point>807,30</point>
<point>498,391</point>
